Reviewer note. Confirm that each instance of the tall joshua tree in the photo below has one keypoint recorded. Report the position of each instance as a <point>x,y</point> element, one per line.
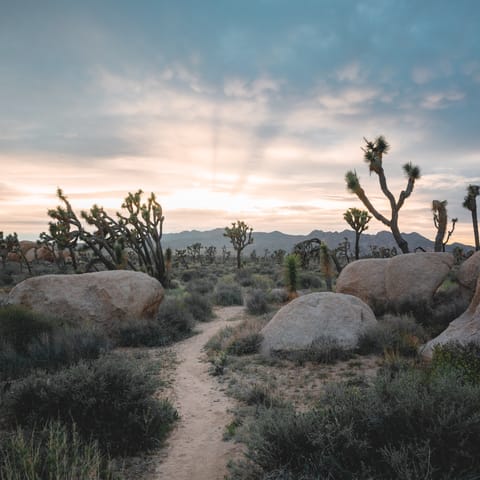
<point>240,234</point>
<point>470,203</point>
<point>358,220</point>
<point>373,155</point>
<point>440,219</point>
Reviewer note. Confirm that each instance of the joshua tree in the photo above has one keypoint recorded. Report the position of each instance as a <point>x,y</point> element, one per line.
<point>440,219</point>
<point>470,203</point>
<point>326,265</point>
<point>240,234</point>
<point>358,220</point>
<point>138,229</point>
<point>210,253</point>
<point>307,251</point>
<point>291,275</point>
<point>168,266</point>
<point>373,154</point>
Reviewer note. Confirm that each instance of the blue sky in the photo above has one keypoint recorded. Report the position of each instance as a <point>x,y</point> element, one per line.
<point>237,109</point>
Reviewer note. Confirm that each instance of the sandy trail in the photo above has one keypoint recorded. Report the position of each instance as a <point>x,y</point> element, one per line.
<point>195,448</point>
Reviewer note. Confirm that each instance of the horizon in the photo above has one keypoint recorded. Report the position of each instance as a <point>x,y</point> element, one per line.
<point>252,110</point>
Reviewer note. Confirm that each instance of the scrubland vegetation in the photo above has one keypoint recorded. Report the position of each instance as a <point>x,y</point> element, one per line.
<point>74,403</point>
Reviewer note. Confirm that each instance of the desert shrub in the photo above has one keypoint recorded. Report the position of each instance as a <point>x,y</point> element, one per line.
<point>19,326</point>
<point>408,426</point>
<point>258,394</point>
<point>324,349</point>
<point>244,276</point>
<point>307,280</point>
<point>257,302</point>
<point>199,305</point>
<point>219,361</point>
<point>190,274</point>
<point>201,285</point>
<point>175,318</point>
<point>51,351</point>
<point>447,305</point>
<point>261,282</point>
<point>244,339</point>
<point>111,400</point>
<point>464,358</point>
<point>141,333</point>
<point>398,334</point>
<point>228,294</point>
<point>244,343</point>
<point>6,278</point>
<point>51,453</point>
<point>218,341</point>
<point>278,295</point>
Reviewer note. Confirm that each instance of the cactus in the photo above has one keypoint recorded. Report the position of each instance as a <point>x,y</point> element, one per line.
<point>291,275</point>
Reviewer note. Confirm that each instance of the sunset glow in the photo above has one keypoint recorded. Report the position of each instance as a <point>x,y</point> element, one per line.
<point>247,110</point>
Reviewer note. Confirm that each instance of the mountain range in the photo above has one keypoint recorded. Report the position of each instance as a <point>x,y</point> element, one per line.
<point>281,241</point>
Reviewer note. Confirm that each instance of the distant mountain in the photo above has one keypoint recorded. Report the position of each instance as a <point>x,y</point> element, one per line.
<point>277,240</point>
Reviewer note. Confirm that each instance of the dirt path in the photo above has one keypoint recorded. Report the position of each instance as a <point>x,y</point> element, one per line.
<point>195,448</point>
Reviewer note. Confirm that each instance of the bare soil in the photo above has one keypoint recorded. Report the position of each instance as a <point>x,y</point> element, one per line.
<point>196,448</point>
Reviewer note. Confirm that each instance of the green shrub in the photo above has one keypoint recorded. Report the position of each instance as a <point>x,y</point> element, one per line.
<point>465,359</point>
<point>227,294</point>
<point>307,280</point>
<point>244,344</point>
<point>141,333</point>
<point>201,285</point>
<point>19,326</point>
<point>111,400</point>
<point>199,306</point>
<point>244,339</point>
<point>322,350</point>
<point>396,334</point>
<point>175,318</point>
<point>407,426</point>
<point>258,394</point>
<point>244,277</point>
<point>52,453</point>
<point>256,302</point>
<point>51,351</point>
<point>278,295</point>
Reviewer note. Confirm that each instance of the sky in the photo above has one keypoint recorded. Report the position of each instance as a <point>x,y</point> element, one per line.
<point>245,109</point>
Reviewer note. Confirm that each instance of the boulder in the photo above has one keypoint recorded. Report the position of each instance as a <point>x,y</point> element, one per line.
<point>314,317</point>
<point>41,253</point>
<point>464,329</point>
<point>364,279</point>
<point>390,282</point>
<point>468,273</point>
<point>415,277</point>
<point>104,299</point>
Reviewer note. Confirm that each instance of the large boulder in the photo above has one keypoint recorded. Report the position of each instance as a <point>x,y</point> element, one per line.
<point>464,329</point>
<point>468,274</point>
<point>41,253</point>
<point>364,279</point>
<point>315,317</point>
<point>411,278</point>
<point>105,299</point>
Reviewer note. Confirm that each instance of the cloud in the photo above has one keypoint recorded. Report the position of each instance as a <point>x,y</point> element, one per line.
<point>437,100</point>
